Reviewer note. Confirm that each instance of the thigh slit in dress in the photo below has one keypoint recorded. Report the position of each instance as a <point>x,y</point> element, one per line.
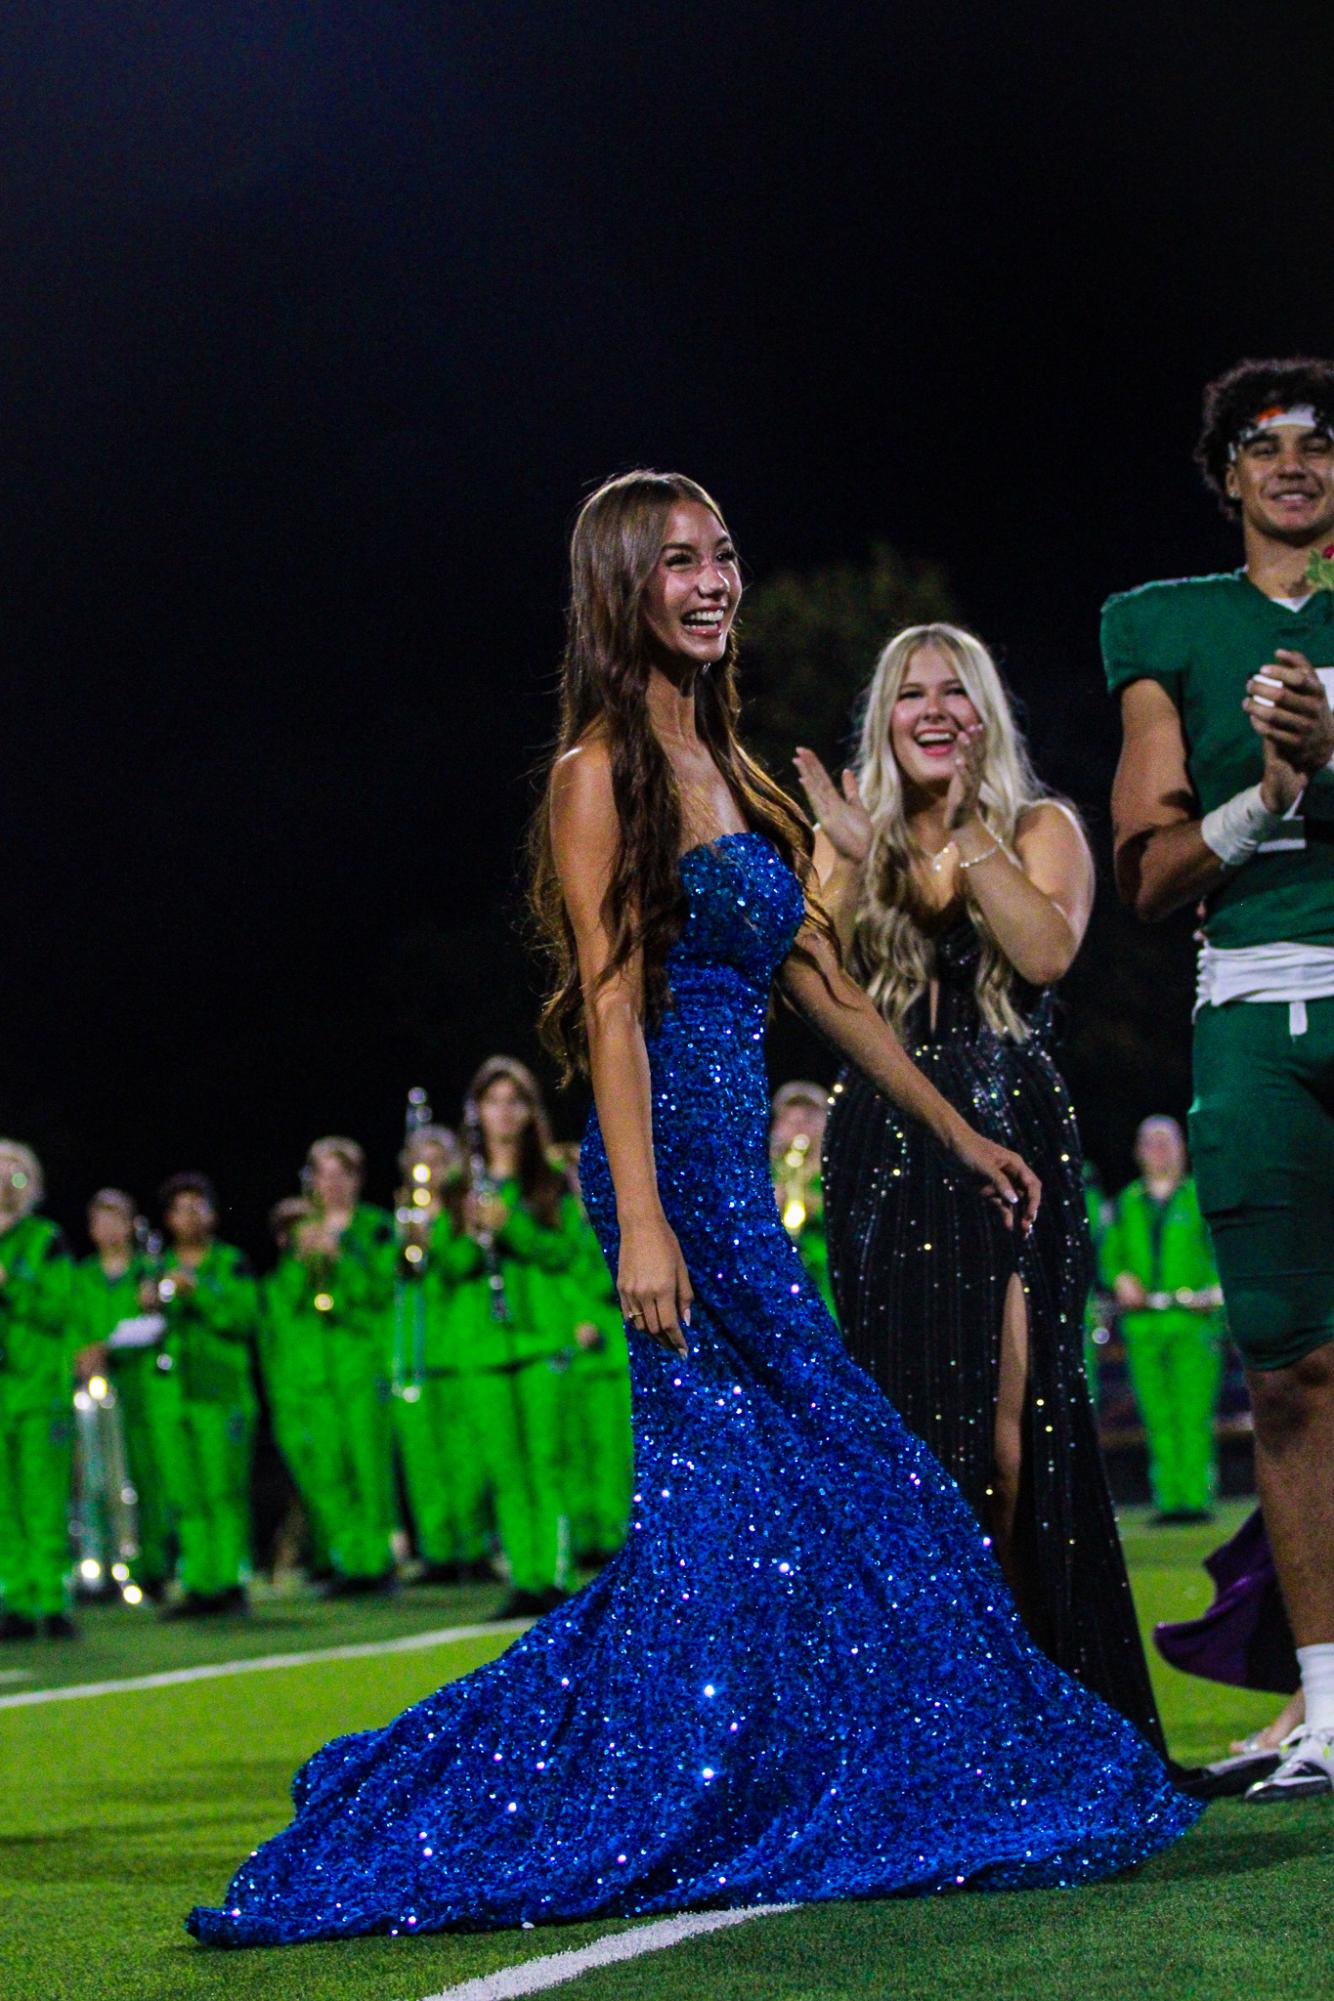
<point>920,1270</point>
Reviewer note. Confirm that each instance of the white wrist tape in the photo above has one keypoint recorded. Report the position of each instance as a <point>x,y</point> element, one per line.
<point>1235,829</point>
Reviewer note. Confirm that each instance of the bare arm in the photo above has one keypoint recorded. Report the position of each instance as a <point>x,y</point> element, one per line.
<point>1162,860</point>
<point>842,841</point>
<point>817,985</point>
<point>1037,902</point>
<point>652,1281</point>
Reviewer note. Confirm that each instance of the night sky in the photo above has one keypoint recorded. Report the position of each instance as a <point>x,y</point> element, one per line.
<point>319,320</point>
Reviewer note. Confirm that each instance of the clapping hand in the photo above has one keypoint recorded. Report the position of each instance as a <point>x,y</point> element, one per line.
<point>1289,709</point>
<point>966,770</point>
<point>838,812</point>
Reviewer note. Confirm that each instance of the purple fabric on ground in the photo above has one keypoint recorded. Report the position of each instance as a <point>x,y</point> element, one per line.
<point>1244,1638</point>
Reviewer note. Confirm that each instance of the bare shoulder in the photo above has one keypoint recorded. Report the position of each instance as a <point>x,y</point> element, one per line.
<point>581,790</point>
<point>1052,823</point>
<point>585,825</point>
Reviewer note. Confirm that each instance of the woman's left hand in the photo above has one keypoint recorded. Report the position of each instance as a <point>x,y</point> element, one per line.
<point>968,764</point>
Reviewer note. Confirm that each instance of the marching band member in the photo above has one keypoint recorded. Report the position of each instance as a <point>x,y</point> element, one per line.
<point>204,1407</point>
<point>796,1137</point>
<point>599,1457</point>
<point>334,1291</point>
<point>119,1341</point>
<point>512,1243</point>
<point>36,1406</point>
<point>442,1471</point>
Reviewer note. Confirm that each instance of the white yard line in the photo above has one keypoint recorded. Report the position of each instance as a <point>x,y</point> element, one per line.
<point>534,1976</point>
<point>214,1670</point>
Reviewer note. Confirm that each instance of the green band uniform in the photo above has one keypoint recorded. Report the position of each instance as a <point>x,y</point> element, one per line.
<point>443,1474</point>
<point>512,1373</point>
<point>37,1337</point>
<point>1174,1354</point>
<point>599,1456</point>
<point>102,1301</point>
<point>291,1385</point>
<point>203,1414</point>
<point>334,1315</point>
<point>1262,1140</point>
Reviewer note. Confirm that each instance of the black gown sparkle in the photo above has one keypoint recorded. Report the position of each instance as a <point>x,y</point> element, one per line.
<point>920,1269</point>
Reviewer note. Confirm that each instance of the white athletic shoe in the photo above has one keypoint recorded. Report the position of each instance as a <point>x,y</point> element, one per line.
<point>1307,1768</point>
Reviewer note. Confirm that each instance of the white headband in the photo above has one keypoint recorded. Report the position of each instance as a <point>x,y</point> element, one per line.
<point>1301,416</point>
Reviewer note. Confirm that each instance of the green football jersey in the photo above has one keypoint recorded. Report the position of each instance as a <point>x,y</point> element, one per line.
<point>1201,639</point>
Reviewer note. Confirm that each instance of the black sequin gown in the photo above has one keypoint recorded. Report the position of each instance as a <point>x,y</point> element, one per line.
<point>920,1269</point>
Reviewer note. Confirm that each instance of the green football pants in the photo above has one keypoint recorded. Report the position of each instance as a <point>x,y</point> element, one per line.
<point>515,1417</point>
<point>205,1450</point>
<point>599,1460</point>
<point>135,1387</point>
<point>36,1479</point>
<point>1175,1361</point>
<point>443,1476</point>
<point>1262,1142</point>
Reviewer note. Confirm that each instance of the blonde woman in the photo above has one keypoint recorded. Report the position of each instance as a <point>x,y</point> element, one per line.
<point>961,892</point>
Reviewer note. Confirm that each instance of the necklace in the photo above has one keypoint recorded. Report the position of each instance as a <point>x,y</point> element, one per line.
<point>937,860</point>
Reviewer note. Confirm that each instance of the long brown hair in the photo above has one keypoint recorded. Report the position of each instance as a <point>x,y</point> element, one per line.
<point>615,546</point>
<point>541,1183</point>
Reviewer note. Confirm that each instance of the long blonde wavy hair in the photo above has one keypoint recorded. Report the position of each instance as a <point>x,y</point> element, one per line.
<point>893,950</point>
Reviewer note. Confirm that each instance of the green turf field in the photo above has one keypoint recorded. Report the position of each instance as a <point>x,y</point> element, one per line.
<point>119,1811</point>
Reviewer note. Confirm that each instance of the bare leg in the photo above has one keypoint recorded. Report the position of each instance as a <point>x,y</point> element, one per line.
<point>1294,1451</point>
<point>1008,1442</point>
<point>1289,1716</point>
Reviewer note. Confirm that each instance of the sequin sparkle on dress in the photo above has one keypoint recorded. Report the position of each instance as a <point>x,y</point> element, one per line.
<point>802,1678</point>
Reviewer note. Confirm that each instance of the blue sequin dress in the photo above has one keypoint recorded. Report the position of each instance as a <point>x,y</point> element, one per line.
<point>802,1678</point>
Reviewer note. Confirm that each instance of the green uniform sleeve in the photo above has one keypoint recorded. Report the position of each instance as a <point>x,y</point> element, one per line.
<point>1135,647</point>
<point>43,1297</point>
<point>225,1301</point>
<point>552,1250</point>
<point>453,1251</point>
<point>1111,1251</point>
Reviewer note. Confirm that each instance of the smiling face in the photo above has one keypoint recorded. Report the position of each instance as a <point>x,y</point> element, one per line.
<point>1283,480</point>
<point>691,596</point>
<point>930,710</point>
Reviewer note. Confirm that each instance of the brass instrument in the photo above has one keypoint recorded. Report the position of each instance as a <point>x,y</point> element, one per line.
<point>413,1207</point>
<point>794,1183</point>
<point>105,1523</point>
<point>481,1183</point>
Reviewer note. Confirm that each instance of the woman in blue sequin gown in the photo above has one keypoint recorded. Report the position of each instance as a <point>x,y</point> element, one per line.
<point>802,1678</point>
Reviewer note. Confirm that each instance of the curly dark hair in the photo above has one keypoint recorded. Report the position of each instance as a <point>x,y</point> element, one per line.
<point>605,675</point>
<point>1232,400</point>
